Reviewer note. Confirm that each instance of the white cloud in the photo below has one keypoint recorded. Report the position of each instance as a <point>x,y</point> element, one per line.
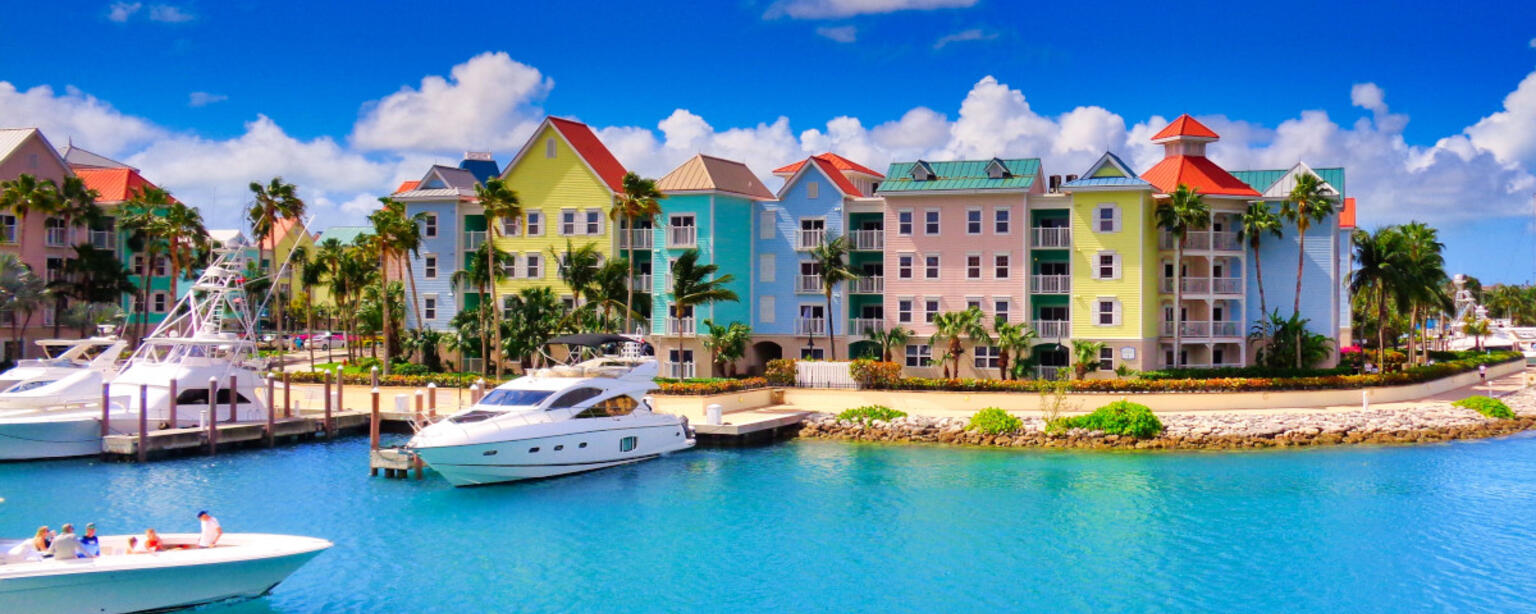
<point>74,114</point>
<point>166,13</point>
<point>973,34</point>
<point>486,103</point>
<point>203,99</point>
<point>121,11</point>
<point>831,9</point>
<point>1533,43</point>
<point>1511,133</point>
<point>841,34</point>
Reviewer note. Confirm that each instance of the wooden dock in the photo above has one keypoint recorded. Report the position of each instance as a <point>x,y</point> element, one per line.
<point>194,440</point>
<point>749,427</point>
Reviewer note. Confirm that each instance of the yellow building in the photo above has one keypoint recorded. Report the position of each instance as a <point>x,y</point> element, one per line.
<point>1114,292</point>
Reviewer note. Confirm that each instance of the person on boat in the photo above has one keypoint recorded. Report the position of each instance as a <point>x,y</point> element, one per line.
<point>27,549</point>
<point>133,545</point>
<point>89,542</point>
<point>210,532</point>
<point>43,539</point>
<point>152,541</point>
<point>66,545</point>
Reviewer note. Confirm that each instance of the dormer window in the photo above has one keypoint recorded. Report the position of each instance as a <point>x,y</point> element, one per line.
<point>921,171</point>
<point>996,169</point>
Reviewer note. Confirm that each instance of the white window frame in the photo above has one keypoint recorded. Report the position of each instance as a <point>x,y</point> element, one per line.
<point>533,265</point>
<point>138,264</point>
<point>904,307</point>
<point>1002,306</point>
<point>534,225</point>
<point>429,226</point>
<point>813,189</point>
<point>592,224</point>
<point>162,266</point>
<point>986,357</point>
<point>1106,356</point>
<point>569,222</point>
<point>978,268</point>
<point>1114,220</point>
<point>935,270</point>
<point>1002,265</point>
<point>907,269</point>
<point>931,307</point>
<point>159,302</point>
<point>917,355</point>
<point>509,226</point>
<point>549,148</point>
<point>977,302</point>
<point>935,227</point>
<point>1115,311</point>
<point>909,224</point>
<point>429,307</point>
<point>1114,265</point>
<point>980,222</point>
<point>767,268</point>
<point>1002,220</point>
<point>429,266</point>
<point>767,305</point>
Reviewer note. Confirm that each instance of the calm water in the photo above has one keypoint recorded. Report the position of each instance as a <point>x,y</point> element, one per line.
<point>816,526</point>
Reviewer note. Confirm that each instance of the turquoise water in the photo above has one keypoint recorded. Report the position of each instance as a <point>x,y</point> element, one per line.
<point>818,526</point>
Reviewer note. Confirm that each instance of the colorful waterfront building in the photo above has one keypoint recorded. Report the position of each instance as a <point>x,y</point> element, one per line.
<point>440,196</point>
<point>43,241</point>
<point>709,207</point>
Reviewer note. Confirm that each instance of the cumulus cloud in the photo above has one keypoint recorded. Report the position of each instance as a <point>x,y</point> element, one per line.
<point>73,114</point>
<point>121,11</point>
<point>832,9</point>
<point>166,13</point>
<point>841,34</point>
<point>488,102</point>
<point>1511,133</point>
<point>973,34</point>
<point>203,99</point>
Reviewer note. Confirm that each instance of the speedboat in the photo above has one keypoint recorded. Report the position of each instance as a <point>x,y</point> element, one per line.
<point>569,418</point>
<point>72,371</point>
<point>241,566</point>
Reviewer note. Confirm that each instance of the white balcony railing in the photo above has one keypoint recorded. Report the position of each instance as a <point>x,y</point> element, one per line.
<point>868,240</point>
<point>1226,329</point>
<point>57,237</point>
<point>809,239</point>
<point>807,284</point>
<point>1050,284</point>
<point>680,370</point>
<point>1193,240</point>
<point>104,239</point>
<point>473,239</point>
<point>1226,241</point>
<point>859,327</point>
<point>1226,285</point>
<point>1203,330</point>
<point>1053,329</point>
<point>680,326</point>
<point>867,285</point>
<point>810,326</point>
<point>683,236</point>
<point>637,238</point>
<point>641,282</point>
<point>1197,285</point>
<point>1052,237</point>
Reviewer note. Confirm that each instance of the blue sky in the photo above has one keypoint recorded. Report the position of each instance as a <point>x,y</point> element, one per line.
<point>1415,109</point>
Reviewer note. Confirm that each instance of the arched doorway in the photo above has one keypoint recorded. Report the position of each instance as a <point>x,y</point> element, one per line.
<point>762,352</point>
<point>864,349</point>
<point>1050,359</point>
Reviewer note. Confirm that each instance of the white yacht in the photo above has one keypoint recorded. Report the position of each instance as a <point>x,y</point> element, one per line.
<point>570,418</point>
<point>72,371</point>
<point>241,566</point>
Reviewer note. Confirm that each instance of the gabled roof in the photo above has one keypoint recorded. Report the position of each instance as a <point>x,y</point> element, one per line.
<point>961,175</point>
<point>1278,182</point>
<point>79,158</point>
<point>281,229</point>
<point>1197,172</point>
<point>703,173</point>
<point>1185,127</point>
<point>344,234</point>
<point>406,186</point>
<point>838,162</point>
<point>11,139</point>
<point>1347,214</point>
<point>1093,178</point>
<point>838,178</point>
<point>585,142</point>
<point>113,185</point>
<point>440,182</point>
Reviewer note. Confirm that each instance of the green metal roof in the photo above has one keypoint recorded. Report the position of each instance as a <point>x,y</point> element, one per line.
<point>961,175</point>
<point>345,234</point>
<point>1261,180</point>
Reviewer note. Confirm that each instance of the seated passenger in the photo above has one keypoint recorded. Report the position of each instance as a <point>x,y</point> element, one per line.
<point>89,542</point>
<point>26,550</point>
<point>42,539</point>
<point>152,541</point>
<point>133,545</point>
<point>66,546</point>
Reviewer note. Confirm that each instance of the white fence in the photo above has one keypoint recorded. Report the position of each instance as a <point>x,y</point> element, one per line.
<point>820,374</point>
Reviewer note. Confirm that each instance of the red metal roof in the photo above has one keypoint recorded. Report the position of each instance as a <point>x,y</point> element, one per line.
<point>838,162</point>
<point>586,144</point>
<point>1347,214</point>
<point>407,186</point>
<point>838,179</point>
<point>1197,172</point>
<point>1185,125</point>
<point>114,185</point>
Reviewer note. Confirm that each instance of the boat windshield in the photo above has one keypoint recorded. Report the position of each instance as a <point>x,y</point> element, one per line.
<point>25,386</point>
<point>515,397</point>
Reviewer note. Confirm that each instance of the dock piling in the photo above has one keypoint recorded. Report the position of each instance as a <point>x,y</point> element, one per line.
<point>234,393</point>
<point>213,416</point>
<point>143,423</point>
<point>106,409</point>
<point>326,425</point>
<point>420,404</point>
<point>374,373</point>
<point>287,395</point>
<point>171,402</point>
<point>373,431</point>
<point>432,402</point>
<point>271,436</point>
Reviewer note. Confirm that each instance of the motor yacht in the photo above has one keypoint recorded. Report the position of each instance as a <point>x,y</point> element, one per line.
<point>578,416</point>
<point>241,566</point>
<point>71,371</point>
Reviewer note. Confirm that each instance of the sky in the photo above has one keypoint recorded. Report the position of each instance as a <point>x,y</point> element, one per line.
<point>1432,122</point>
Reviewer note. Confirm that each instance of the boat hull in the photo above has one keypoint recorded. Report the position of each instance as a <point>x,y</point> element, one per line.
<point>588,448</point>
<point>58,436</point>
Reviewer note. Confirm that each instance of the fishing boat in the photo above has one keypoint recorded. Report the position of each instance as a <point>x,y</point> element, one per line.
<point>578,416</point>
<point>71,371</point>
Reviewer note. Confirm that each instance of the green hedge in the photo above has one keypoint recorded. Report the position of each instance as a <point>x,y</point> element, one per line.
<point>1119,418</point>
<point>994,421</point>
<point>871,413</point>
<point>1487,406</point>
<point>1231,372</point>
<point>694,387</point>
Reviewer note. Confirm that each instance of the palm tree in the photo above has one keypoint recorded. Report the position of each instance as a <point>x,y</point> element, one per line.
<point>610,292</point>
<point>952,328</point>
<point>276,200</point>
<point>638,201</point>
<point>26,195</point>
<point>1013,340</point>
<point>1258,221</point>
<point>832,267</point>
<point>695,284</point>
<point>311,272</point>
<point>888,340</point>
<point>1476,328</point>
<point>77,203</point>
<point>1085,356</point>
<point>726,344</point>
<point>498,201</point>
<point>144,211</point>
<point>1422,264</point>
<point>388,225</point>
<point>21,292</point>
<point>1376,271</point>
<point>86,317</point>
<point>1184,210</point>
<point>484,270</point>
<point>578,268</point>
<point>536,315</point>
<point>1306,204</point>
<point>182,227</point>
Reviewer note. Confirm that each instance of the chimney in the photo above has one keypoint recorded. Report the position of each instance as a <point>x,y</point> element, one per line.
<point>483,156</point>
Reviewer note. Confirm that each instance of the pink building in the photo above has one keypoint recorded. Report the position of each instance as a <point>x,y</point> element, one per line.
<point>44,242</point>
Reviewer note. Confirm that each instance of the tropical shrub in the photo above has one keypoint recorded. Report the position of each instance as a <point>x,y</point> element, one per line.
<point>781,372</point>
<point>1487,406</point>
<point>871,413</point>
<point>1119,418</point>
<point>994,421</point>
<point>874,373</point>
<point>709,386</point>
<point>1230,372</point>
<point>407,368</point>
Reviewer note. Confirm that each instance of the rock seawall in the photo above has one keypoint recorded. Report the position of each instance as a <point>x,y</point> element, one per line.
<point>1429,423</point>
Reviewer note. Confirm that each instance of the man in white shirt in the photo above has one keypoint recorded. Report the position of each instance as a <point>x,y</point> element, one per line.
<point>211,531</point>
<point>67,545</point>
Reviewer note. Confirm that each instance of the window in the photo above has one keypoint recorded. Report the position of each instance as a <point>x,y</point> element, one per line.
<point>1000,308</point>
<point>567,222</point>
<point>812,189</point>
<point>973,266</point>
<point>429,226</point>
<point>594,222</point>
<point>611,407</point>
<point>986,357</point>
<point>1001,219</point>
<point>1107,359</point>
<point>1000,266</point>
<point>904,266</point>
<point>766,222</point>
<point>680,362</point>
<point>138,303</point>
<point>575,397</point>
<point>7,229</point>
<point>429,266</point>
<point>813,353</point>
<point>767,268</point>
<point>931,267</point>
<point>904,222</point>
<point>930,309</point>
<point>1107,311</point>
<point>1107,218</point>
<point>535,223</point>
<point>973,221</point>
<point>904,310</point>
<point>509,269</point>
<point>931,222</point>
<point>549,147</point>
<point>973,302</point>
<point>157,302</point>
<point>533,265</point>
<point>919,355</point>
<point>765,309</point>
<point>1106,265</point>
<point>509,227</point>
<point>162,266</point>
<point>138,265</point>
<point>199,396</point>
<point>429,307</point>
<point>507,304</point>
<point>627,444</point>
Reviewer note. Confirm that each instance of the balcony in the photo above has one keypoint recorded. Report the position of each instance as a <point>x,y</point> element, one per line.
<point>867,285</point>
<point>807,284</point>
<point>1197,285</point>
<point>1051,237</point>
<point>680,370</point>
<point>473,239</point>
<point>1203,330</point>
<point>57,237</point>
<point>1050,284</point>
<point>1226,241</point>
<point>682,327</point>
<point>104,239</point>
<point>868,240</point>
<point>1226,285</point>
<point>809,239</point>
<point>638,238</point>
<point>1203,240</point>
<point>859,327</point>
<point>683,236</point>
<point>1226,329</point>
<point>641,282</point>
<point>1052,329</point>
<point>810,326</point>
